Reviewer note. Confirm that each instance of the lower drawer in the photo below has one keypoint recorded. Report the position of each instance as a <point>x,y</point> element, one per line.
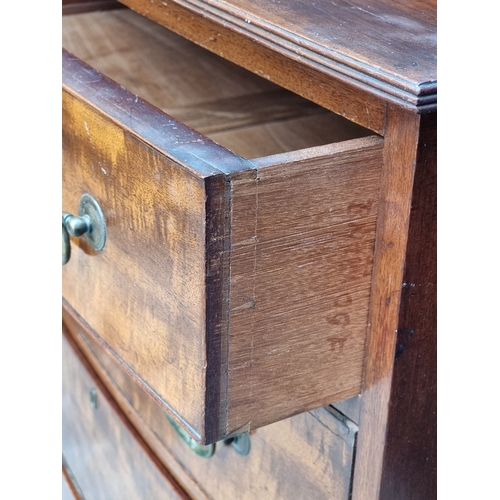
<point>307,456</point>
<point>106,457</point>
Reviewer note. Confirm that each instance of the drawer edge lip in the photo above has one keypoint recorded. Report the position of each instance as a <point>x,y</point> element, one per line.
<point>217,284</point>
<point>198,154</point>
<point>327,150</point>
<point>69,312</point>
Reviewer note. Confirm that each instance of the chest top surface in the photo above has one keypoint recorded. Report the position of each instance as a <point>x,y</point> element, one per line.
<point>387,45</point>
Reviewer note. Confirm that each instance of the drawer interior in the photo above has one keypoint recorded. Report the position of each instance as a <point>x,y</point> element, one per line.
<point>239,110</point>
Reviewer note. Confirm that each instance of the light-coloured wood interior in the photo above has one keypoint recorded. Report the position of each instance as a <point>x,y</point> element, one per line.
<point>237,109</point>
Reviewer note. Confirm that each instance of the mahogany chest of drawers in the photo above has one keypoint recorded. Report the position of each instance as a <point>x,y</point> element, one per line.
<point>263,175</point>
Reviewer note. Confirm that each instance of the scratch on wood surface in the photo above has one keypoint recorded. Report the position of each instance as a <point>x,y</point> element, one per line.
<point>306,264</point>
<point>246,305</point>
<point>249,241</point>
<point>367,12</point>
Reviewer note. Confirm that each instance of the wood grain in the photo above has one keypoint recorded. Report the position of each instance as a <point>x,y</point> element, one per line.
<point>400,149</point>
<point>309,455</point>
<point>151,275</point>
<point>386,51</point>
<point>190,246</point>
<point>374,64</point>
<point>196,153</point>
<point>331,90</point>
<point>284,136</point>
<point>116,384</point>
<point>410,462</point>
<point>355,37</point>
<point>302,246</point>
<point>200,89</point>
<point>105,454</point>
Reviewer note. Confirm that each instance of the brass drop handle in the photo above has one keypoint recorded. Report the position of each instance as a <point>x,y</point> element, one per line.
<point>66,245</point>
<point>202,450</point>
<point>240,442</point>
<point>89,223</point>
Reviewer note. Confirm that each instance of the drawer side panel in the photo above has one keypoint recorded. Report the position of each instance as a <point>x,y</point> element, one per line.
<point>300,281</point>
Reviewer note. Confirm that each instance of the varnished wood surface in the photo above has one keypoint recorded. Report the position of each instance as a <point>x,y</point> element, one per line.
<point>410,461</point>
<point>163,296</point>
<point>144,294</point>
<point>400,151</point>
<point>355,102</point>
<point>106,456</point>
<point>388,48</point>
<point>389,41</point>
<point>237,109</point>
<point>307,456</point>
<point>277,331</point>
<point>377,473</point>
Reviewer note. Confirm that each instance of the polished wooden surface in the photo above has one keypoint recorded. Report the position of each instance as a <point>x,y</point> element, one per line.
<point>394,210</point>
<point>410,461</point>
<point>105,454</point>
<point>357,103</point>
<point>217,290</point>
<point>308,456</point>
<point>395,456</point>
<point>150,278</point>
<point>136,117</point>
<point>387,48</point>
<point>383,44</point>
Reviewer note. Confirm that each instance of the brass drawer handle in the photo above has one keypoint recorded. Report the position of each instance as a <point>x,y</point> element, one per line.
<point>205,451</point>
<point>89,223</point>
<point>240,442</point>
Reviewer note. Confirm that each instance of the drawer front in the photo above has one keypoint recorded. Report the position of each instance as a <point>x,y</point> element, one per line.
<point>235,292</point>
<point>100,448</point>
<point>145,292</point>
<point>307,456</point>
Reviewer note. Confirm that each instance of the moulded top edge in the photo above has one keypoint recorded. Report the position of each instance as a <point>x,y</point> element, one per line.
<point>387,42</point>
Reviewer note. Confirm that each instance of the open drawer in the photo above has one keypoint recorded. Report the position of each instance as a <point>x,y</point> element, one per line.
<point>234,281</point>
